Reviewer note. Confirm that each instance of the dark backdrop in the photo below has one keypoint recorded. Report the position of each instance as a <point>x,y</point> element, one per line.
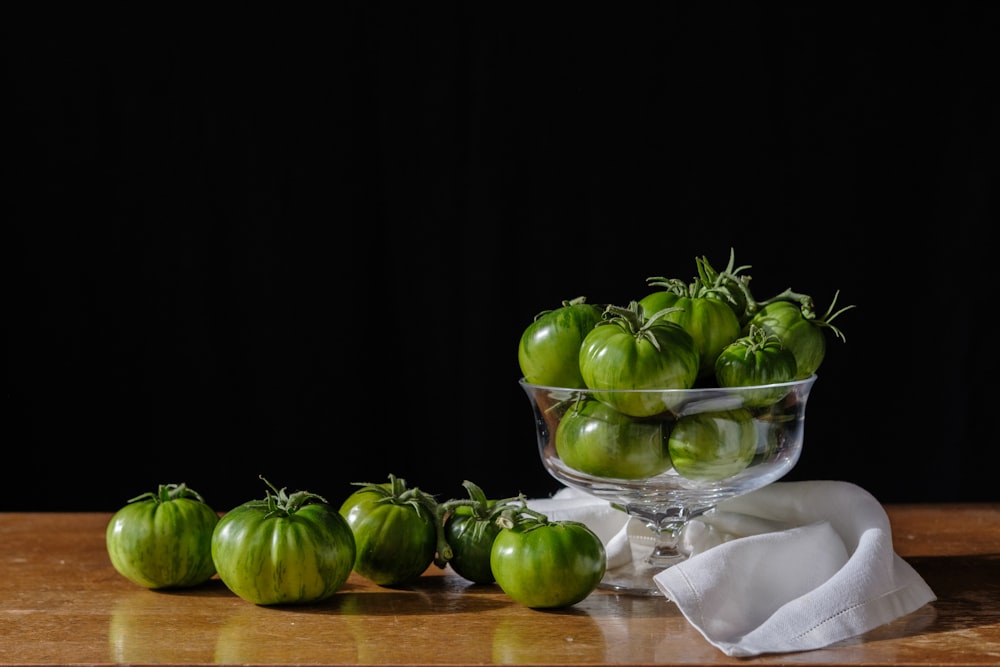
<point>305,247</point>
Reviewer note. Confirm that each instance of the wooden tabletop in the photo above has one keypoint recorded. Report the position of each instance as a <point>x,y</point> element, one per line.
<point>62,603</point>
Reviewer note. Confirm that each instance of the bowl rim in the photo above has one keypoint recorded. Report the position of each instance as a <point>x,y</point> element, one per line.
<point>803,382</point>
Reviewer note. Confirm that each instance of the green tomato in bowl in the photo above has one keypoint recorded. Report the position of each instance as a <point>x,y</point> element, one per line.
<point>711,446</point>
<point>596,439</point>
<point>711,322</point>
<point>549,349</point>
<point>630,351</point>
<point>759,358</point>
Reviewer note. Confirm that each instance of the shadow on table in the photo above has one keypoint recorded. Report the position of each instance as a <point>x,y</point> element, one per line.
<point>968,596</point>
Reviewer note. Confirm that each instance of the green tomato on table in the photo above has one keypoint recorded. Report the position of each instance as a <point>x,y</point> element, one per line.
<point>163,539</point>
<point>546,564</point>
<point>470,528</point>
<point>398,529</point>
<point>285,549</point>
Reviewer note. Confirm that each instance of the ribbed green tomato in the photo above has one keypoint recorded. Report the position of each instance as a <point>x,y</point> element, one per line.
<point>396,530</point>
<point>163,539</point>
<point>758,358</point>
<point>546,564</point>
<point>596,439</point>
<point>631,351</point>
<point>712,323</point>
<point>549,349</point>
<point>713,445</point>
<point>285,549</point>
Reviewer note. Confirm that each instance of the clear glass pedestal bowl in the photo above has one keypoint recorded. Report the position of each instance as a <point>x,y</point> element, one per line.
<point>667,456</point>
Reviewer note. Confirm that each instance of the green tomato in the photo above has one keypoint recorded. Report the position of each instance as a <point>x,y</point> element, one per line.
<point>631,351</point>
<point>470,528</point>
<point>758,358</point>
<point>712,323</point>
<point>711,446</point>
<point>284,549</point>
<point>471,539</point>
<point>545,564</point>
<point>163,539</point>
<point>396,528</point>
<point>596,439</point>
<point>549,349</point>
<point>805,338</point>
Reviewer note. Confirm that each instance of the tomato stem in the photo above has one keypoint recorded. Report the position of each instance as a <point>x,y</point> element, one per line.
<point>167,492</point>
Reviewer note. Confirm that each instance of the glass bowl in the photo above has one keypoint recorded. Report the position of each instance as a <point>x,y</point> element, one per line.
<point>666,456</point>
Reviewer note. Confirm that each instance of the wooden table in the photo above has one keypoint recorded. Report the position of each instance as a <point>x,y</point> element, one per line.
<point>62,603</point>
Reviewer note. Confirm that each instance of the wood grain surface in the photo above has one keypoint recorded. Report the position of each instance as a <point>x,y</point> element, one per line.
<point>62,603</point>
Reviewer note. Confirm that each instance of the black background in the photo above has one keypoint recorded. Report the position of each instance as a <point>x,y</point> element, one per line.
<point>305,247</point>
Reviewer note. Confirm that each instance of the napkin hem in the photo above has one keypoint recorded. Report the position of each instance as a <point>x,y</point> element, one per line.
<point>894,603</point>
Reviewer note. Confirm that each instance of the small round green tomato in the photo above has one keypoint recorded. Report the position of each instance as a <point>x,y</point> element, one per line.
<point>713,445</point>
<point>285,549</point>
<point>545,564</point>
<point>598,440</point>
<point>549,349</point>
<point>163,539</point>
<point>756,359</point>
<point>396,529</point>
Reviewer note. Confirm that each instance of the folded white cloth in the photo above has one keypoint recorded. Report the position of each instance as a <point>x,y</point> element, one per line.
<point>793,566</point>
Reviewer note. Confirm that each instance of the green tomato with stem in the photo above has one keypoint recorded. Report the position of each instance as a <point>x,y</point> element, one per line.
<point>398,529</point>
<point>470,528</point>
<point>285,549</point>
<point>545,564</point>
<point>629,351</point>
<point>163,539</point>
<point>549,349</point>
<point>711,322</point>
<point>791,317</point>
<point>759,358</point>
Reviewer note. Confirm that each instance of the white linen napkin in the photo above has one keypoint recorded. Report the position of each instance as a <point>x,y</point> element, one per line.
<point>793,566</point>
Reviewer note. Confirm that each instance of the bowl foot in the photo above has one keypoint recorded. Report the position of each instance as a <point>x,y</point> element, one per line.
<point>636,576</point>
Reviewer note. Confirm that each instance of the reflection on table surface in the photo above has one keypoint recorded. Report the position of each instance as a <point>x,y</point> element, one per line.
<point>62,602</point>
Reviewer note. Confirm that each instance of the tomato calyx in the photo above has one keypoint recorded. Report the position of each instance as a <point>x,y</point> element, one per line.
<point>756,340</point>
<point>481,509</point>
<point>168,492</point>
<point>397,492</point>
<point>523,518</point>
<point>566,303</point>
<point>277,502</point>
<point>727,285</point>
<point>633,320</point>
<point>807,307</point>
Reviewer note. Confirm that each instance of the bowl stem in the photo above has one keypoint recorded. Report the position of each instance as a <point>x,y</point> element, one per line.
<point>653,551</point>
